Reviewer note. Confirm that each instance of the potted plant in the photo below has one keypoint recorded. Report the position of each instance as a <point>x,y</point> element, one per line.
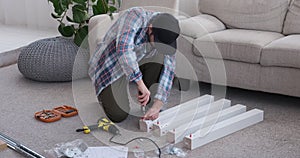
<point>80,11</point>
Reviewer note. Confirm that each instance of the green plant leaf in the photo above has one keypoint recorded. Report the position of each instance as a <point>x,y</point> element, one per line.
<point>64,4</point>
<point>102,6</point>
<point>96,10</point>
<point>55,16</point>
<point>93,1</point>
<point>80,35</point>
<point>112,9</point>
<point>58,11</point>
<point>57,7</point>
<point>82,2</point>
<point>79,8</point>
<point>66,31</point>
<point>80,15</point>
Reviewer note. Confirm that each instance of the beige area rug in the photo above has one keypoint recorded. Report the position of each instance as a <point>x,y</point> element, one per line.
<point>277,136</point>
<point>90,110</point>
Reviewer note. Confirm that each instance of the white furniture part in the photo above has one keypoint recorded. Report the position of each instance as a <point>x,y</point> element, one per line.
<point>177,135</point>
<point>189,116</point>
<point>167,115</point>
<point>223,129</point>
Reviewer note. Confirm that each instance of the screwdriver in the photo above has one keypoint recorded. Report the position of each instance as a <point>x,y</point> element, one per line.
<point>103,124</point>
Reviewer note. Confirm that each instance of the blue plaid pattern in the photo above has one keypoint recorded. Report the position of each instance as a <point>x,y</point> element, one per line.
<point>116,55</point>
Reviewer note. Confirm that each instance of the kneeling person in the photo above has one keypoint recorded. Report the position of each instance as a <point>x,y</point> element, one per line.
<point>136,35</point>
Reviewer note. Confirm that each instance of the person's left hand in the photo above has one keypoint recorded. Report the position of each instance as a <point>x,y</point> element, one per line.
<point>153,112</point>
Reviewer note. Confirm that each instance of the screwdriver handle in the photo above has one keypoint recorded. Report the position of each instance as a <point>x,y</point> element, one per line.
<point>80,130</point>
<point>85,130</point>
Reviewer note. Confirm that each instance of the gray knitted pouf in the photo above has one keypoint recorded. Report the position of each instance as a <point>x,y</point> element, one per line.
<point>48,59</point>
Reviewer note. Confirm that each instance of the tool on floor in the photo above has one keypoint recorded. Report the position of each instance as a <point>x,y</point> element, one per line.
<point>56,113</point>
<point>103,124</point>
<point>66,110</point>
<point>107,125</point>
<point>47,116</point>
<point>20,148</point>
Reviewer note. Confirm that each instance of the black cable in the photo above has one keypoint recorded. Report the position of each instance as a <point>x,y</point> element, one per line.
<point>159,151</point>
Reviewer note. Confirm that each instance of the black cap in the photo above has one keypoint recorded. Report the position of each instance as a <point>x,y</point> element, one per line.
<point>166,30</point>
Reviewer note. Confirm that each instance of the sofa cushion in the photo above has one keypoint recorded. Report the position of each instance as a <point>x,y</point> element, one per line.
<point>200,25</point>
<point>284,52</point>
<point>234,44</point>
<point>292,21</point>
<point>189,8</point>
<point>265,15</point>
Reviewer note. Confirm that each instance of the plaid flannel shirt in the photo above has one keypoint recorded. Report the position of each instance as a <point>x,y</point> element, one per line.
<point>117,54</point>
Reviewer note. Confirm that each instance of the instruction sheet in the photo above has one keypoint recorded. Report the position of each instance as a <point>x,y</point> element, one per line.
<point>105,152</point>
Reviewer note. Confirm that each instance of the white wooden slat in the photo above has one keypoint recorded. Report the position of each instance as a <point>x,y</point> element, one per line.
<point>176,135</point>
<point>223,129</point>
<point>169,114</point>
<point>179,119</point>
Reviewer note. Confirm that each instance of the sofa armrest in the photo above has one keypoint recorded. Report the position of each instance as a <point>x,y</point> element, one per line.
<point>200,25</point>
<point>98,26</point>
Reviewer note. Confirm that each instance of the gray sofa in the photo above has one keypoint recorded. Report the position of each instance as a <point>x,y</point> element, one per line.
<point>239,43</point>
<point>246,44</point>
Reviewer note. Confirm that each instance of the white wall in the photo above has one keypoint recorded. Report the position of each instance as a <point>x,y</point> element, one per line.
<point>36,13</point>
<point>1,13</point>
<point>30,13</point>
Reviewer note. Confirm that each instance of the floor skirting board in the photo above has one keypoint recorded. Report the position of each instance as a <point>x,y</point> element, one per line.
<point>9,57</point>
<point>13,38</point>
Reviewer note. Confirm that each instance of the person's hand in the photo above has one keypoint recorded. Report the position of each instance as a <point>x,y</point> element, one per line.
<point>143,93</point>
<point>153,112</point>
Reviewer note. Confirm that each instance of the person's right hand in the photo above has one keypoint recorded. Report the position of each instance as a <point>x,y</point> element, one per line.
<point>143,93</point>
<point>153,112</point>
